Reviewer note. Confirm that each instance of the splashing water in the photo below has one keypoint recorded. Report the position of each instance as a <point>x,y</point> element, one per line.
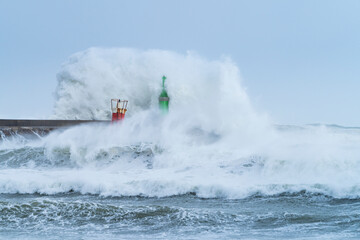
<point>211,143</point>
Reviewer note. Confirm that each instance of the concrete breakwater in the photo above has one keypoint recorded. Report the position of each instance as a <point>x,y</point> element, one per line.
<point>37,127</point>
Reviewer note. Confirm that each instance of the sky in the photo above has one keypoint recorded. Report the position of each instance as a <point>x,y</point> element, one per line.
<point>299,60</point>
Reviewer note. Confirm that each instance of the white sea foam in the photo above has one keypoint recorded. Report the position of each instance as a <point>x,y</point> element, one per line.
<point>212,142</point>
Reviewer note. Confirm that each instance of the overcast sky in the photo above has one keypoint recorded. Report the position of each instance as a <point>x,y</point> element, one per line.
<point>300,60</point>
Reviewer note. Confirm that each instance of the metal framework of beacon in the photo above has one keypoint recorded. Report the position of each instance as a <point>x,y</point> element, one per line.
<point>119,107</point>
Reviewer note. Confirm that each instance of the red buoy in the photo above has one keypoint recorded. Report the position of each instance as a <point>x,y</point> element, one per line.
<point>118,109</point>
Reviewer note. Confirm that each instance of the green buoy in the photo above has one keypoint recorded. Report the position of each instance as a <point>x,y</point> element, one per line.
<point>164,98</point>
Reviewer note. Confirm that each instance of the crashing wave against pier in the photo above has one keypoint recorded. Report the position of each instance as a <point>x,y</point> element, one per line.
<point>211,144</point>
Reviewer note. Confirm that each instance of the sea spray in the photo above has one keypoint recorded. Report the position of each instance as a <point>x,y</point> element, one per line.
<point>212,143</point>
<point>212,168</point>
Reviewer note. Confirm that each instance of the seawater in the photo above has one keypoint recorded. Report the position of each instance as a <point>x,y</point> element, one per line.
<point>212,168</point>
<point>77,216</point>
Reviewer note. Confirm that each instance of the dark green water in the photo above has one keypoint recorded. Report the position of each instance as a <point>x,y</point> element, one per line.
<point>76,216</point>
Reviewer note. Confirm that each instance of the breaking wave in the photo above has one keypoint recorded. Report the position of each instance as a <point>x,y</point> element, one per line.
<point>212,143</point>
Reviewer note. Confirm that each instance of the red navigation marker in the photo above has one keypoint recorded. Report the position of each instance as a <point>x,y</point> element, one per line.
<point>118,108</point>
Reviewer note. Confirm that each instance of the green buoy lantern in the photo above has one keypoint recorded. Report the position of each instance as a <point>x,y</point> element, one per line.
<point>164,98</point>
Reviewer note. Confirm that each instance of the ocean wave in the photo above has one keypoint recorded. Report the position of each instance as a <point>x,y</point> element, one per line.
<point>212,143</point>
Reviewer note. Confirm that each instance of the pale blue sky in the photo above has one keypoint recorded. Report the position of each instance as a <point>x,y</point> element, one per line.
<point>300,60</point>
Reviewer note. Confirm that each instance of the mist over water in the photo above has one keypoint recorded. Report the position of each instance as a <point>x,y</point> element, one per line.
<point>212,145</point>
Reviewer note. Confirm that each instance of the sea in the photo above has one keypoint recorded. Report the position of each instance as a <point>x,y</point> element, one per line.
<point>212,167</point>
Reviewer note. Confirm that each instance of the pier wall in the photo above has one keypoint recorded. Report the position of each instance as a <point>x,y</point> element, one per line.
<point>37,127</point>
<point>43,123</point>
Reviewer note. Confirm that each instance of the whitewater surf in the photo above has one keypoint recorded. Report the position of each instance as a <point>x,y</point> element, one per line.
<point>213,166</point>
